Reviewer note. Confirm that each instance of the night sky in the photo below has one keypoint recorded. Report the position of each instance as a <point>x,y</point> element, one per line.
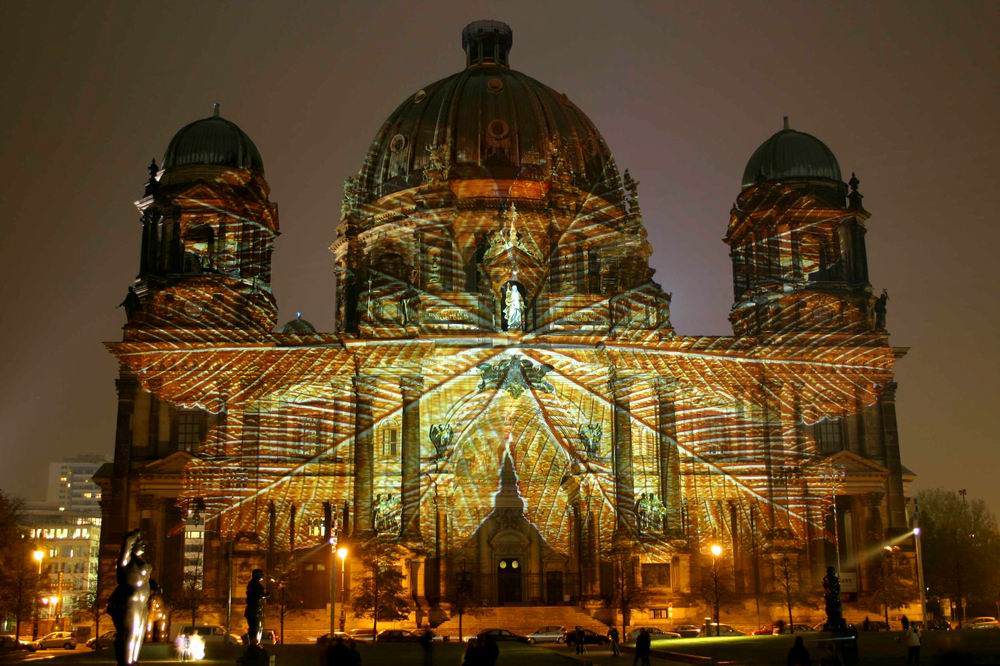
<point>905,94</point>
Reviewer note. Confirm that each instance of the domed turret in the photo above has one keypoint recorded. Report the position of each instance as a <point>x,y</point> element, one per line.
<point>492,123</point>
<point>790,154</point>
<point>213,141</point>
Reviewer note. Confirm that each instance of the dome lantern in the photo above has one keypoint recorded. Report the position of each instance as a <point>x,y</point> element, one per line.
<point>487,43</point>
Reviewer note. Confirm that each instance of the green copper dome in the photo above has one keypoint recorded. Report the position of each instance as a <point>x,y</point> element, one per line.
<point>213,141</point>
<point>790,154</point>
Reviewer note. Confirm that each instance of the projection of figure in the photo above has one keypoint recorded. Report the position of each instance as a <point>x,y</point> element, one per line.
<point>254,612</point>
<point>514,309</point>
<point>129,603</point>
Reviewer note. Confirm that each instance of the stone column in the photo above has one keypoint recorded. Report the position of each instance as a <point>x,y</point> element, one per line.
<point>890,439</point>
<point>621,443</point>
<point>670,460</point>
<point>364,454</point>
<point>411,389</point>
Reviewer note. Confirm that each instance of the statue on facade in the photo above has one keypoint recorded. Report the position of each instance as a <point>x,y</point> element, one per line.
<point>386,514</point>
<point>440,435</point>
<point>254,612</point>
<point>831,595</point>
<point>514,308</point>
<point>880,307</point>
<point>590,435</point>
<point>132,304</point>
<point>129,603</point>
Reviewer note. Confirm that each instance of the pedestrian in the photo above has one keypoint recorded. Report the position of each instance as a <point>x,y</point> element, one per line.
<point>353,656</point>
<point>798,655</point>
<point>182,645</point>
<point>643,643</point>
<point>471,657</point>
<point>427,643</point>
<point>489,651</point>
<point>866,625</point>
<point>905,621</point>
<point>912,645</point>
<point>336,653</point>
<point>578,639</point>
<point>616,649</point>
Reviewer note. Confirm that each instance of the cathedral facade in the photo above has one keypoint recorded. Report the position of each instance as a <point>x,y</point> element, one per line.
<point>504,398</point>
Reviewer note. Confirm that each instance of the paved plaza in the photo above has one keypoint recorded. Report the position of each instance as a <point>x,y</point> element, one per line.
<point>951,648</point>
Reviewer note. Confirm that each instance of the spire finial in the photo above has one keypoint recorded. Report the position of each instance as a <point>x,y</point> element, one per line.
<point>785,121</point>
<point>215,110</point>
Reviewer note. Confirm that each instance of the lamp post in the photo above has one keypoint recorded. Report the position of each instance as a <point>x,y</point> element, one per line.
<point>716,551</point>
<point>38,556</point>
<point>342,554</point>
<point>920,562</point>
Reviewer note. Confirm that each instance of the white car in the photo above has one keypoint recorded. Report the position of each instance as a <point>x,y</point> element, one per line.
<point>551,633</point>
<point>984,622</point>
<point>57,639</point>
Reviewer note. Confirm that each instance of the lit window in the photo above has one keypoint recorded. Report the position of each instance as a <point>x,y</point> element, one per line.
<point>188,430</point>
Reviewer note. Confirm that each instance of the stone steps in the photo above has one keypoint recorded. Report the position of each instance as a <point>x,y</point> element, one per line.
<point>520,620</point>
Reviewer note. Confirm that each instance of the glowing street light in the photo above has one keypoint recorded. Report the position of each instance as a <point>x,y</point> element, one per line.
<point>38,555</point>
<point>342,553</point>
<point>716,550</point>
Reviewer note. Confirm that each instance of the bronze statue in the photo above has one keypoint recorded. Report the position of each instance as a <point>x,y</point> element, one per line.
<point>254,612</point>
<point>129,603</point>
<point>831,595</point>
<point>880,307</point>
<point>132,304</point>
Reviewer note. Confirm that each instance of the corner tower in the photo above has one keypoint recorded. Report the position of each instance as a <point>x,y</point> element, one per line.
<point>797,242</point>
<point>208,230</point>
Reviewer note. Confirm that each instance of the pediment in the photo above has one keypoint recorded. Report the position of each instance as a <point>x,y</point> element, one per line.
<point>173,464</point>
<point>854,464</point>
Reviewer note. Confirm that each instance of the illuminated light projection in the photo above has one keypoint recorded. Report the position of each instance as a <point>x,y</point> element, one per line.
<point>504,389</point>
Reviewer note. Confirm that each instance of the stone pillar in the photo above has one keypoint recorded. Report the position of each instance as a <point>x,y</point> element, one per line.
<point>621,443</point>
<point>670,460</point>
<point>364,454</point>
<point>890,438</point>
<point>411,389</point>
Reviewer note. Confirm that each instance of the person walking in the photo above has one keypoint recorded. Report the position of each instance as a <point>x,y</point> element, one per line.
<point>616,649</point>
<point>427,643</point>
<point>866,625</point>
<point>578,639</point>
<point>798,655</point>
<point>912,645</point>
<point>471,653</point>
<point>643,644</point>
<point>905,621</point>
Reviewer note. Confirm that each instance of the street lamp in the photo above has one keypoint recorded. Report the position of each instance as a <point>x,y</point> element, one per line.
<point>342,554</point>
<point>920,562</point>
<point>38,556</point>
<point>716,551</point>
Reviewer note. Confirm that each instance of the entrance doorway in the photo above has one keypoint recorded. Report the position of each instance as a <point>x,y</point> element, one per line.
<point>553,587</point>
<point>509,580</point>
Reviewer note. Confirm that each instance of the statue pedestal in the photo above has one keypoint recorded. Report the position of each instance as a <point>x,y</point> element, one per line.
<point>254,655</point>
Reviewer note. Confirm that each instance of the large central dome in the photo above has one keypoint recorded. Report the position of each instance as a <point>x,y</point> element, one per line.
<point>495,122</point>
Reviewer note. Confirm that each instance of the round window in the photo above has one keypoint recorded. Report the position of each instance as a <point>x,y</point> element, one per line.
<point>494,85</point>
<point>419,97</point>
<point>498,129</point>
<point>398,143</point>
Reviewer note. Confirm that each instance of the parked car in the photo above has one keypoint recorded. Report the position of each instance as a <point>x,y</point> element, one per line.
<point>590,637</point>
<point>362,635</point>
<point>267,637</point>
<point>9,642</point>
<point>799,629</point>
<point>105,640</point>
<point>215,633</point>
<point>984,622</point>
<point>687,630</point>
<point>56,639</point>
<point>502,635</point>
<point>550,633</point>
<point>655,633</point>
<point>720,630</point>
<point>937,624</point>
<point>397,636</point>
<point>763,630</point>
